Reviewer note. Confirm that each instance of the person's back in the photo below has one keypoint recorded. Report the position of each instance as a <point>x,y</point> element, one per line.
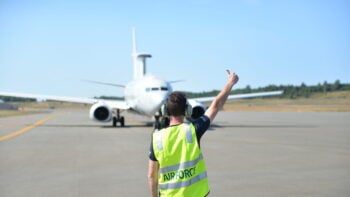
<point>182,170</point>
<point>176,165</point>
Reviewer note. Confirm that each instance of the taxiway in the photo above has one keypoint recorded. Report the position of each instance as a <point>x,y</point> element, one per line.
<point>63,153</point>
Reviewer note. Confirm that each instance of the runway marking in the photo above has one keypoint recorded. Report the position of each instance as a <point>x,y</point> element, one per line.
<point>25,129</point>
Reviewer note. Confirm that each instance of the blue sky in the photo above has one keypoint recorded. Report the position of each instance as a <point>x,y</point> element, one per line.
<point>48,47</point>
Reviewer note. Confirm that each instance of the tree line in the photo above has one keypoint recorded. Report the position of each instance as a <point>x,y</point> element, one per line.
<point>289,91</point>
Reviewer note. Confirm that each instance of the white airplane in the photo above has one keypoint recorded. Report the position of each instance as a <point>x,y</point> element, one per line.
<point>144,95</point>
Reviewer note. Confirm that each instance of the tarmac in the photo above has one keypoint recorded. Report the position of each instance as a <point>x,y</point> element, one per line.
<point>63,153</point>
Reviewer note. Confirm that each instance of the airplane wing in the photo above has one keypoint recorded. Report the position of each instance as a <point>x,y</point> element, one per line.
<point>240,96</point>
<point>104,83</point>
<point>112,103</point>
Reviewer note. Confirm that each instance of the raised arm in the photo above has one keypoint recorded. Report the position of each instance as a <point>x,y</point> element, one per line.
<point>221,98</point>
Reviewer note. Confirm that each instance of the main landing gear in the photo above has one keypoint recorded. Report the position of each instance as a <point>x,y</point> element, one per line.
<point>117,118</point>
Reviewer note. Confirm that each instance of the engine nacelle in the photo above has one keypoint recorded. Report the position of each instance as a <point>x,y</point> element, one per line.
<point>101,112</point>
<point>198,109</point>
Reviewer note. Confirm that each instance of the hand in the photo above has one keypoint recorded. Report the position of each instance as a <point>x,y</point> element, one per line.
<point>232,77</point>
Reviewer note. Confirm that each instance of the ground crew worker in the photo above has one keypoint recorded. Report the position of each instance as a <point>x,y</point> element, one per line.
<point>176,166</point>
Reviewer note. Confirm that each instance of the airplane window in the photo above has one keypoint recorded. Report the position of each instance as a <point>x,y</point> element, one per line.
<point>157,89</point>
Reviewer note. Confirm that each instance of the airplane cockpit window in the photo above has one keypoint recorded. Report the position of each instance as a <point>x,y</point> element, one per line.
<point>156,89</point>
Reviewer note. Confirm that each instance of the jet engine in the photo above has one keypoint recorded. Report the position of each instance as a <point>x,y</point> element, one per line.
<point>198,109</point>
<point>101,112</point>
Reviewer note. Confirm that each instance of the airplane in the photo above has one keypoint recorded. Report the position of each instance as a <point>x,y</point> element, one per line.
<point>144,95</point>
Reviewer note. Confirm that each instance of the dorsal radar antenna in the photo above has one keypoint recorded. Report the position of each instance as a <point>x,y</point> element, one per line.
<point>139,59</point>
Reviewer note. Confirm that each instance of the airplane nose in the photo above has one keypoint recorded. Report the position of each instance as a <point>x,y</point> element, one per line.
<point>159,100</point>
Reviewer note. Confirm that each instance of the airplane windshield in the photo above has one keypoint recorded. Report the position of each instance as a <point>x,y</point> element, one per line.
<point>156,89</point>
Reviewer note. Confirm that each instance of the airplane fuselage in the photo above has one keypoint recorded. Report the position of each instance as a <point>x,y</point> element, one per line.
<point>147,94</point>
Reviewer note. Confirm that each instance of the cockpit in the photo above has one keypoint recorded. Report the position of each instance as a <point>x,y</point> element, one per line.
<point>148,89</point>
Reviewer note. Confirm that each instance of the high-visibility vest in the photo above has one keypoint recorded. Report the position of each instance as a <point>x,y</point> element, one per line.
<point>182,170</point>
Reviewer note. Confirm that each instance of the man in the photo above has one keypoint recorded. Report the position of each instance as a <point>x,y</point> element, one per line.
<point>176,166</point>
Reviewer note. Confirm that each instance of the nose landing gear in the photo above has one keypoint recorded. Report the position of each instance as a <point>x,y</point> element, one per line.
<point>117,118</point>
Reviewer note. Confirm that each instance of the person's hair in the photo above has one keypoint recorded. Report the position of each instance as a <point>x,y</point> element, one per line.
<point>176,103</point>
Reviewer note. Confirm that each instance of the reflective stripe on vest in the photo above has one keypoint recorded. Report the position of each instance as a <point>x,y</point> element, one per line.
<point>188,133</point>
<point>183,183</point>
<point>181,165</point>
<point>159,140</point>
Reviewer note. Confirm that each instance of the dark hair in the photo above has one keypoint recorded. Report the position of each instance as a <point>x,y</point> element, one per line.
<point>176,103</point>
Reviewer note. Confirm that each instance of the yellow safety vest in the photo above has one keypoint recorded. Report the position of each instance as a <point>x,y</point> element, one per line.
<point>182,170</point>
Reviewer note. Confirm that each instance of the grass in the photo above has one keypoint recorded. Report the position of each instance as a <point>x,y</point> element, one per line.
<point>5,113</point>
<point>50,105</point>
<point>332,102</point>
<point>39,107</point>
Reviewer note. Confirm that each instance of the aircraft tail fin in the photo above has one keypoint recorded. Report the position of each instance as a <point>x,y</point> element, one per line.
<point>138,59</point>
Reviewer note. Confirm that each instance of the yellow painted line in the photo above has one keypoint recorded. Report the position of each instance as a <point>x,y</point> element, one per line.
<point>25,129</point>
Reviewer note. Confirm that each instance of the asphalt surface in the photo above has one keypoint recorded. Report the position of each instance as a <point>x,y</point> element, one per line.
<point>63,153</point>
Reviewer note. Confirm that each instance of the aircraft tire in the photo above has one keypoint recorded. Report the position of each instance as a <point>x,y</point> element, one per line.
<point>114,122</point>
<point>122,121</point>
